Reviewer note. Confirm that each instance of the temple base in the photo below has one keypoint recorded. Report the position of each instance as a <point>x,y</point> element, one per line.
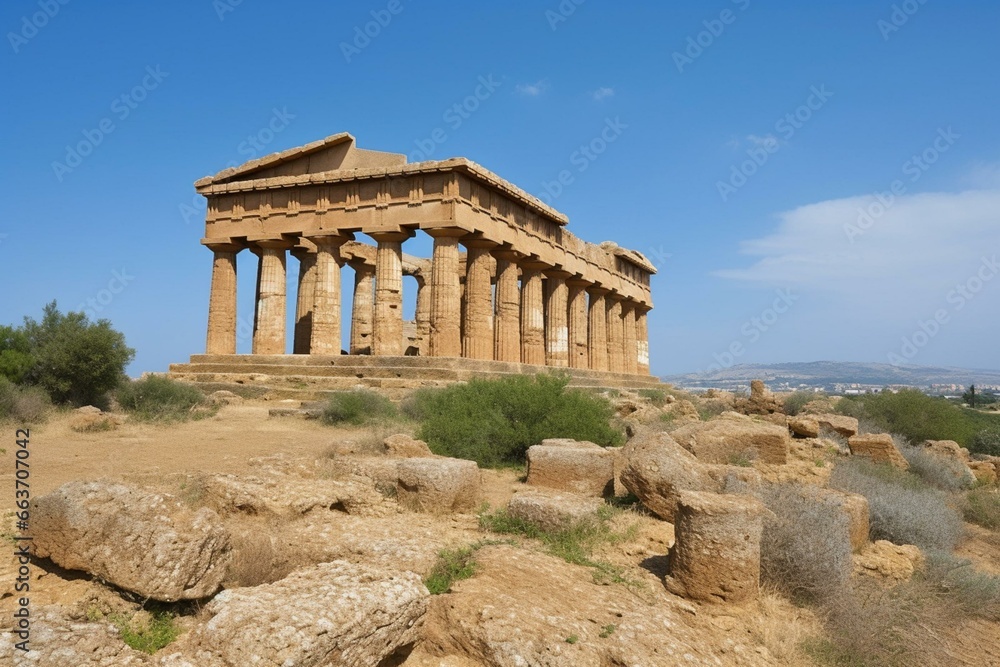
<point>310,377</point>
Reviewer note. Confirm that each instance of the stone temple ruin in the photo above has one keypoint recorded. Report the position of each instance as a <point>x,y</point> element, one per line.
<point>526,293</point>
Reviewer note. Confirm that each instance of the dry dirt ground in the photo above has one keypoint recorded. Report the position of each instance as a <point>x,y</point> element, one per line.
<point>531,594</point>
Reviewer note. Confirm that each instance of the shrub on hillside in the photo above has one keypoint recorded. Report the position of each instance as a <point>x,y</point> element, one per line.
<point>940,471</point>
<point>794,402</point>
<point>805,549</point>
<point>903,508</point>
<point>986,441</point>
<point>16,360</point>
<point>75,360</point>
<point>160,399</point>
<point>358,407</point>
<point>982,506</point>
<point>493,422</point>
<point>24,405</point>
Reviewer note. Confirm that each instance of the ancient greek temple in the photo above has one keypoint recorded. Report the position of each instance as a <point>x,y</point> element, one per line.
<point>507,289</point>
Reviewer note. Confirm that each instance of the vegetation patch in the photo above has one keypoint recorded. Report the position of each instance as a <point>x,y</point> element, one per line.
<point>145,631</point>
<point>359,407</point>
<point>493,422</point>
<point>939,471</point>
<point>25,405</point>
<point>159,399</point>
<point>454,565</point>
<point>794,402</point>
<point>982,506</point>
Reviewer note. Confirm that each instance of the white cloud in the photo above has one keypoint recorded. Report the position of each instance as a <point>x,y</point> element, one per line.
<point>532,89</point>
<point>603,94</point>
<point>985,175</point>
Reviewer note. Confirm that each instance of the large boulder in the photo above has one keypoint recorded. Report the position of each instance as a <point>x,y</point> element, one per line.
<point>878,447</point>
<point>717,554</point>
<point>552,511</point>
<point>568,465</point>
<point>734,437</point>
<point>147,543</point>
<point>656,469</point>
<point>404,446</point>
<point>335,613</point>
<point>438,485</point>
<point>844,426</point>
<point>760,402</point>
<point>948,449</point>
<point>804,426</point>
<point>984,471</point>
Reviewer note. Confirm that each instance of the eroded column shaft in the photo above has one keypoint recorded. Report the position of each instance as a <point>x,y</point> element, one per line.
<point>642,341</point>
<point>579,349</point>
<point>616,335</point>
<point>446,304</point>
<point>222,302</point>
<point>507,335</point>
<point>597,334</point>
<point>363,309</point>
<point>269,326</point>
<point>326,330</point>
<point>532,318</point>
<point>304,302</point>
<point>631,354</point>
<point>556,312</point>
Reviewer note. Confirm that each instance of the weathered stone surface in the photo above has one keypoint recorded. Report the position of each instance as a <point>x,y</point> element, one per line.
<point>890,562</point>
<point>984,471</point>
<point>438,485</point>
<point>717,554</point>
<point>406,447</point>
<point>569,442</point>
<point>552,511</point>
<point>335,613</point>
<point>57,641</point>
<point>858,513</point>
<point>147,543</point>
<point>845,426</point>
<point>760,402</point>
<point>878,447</point>
<point>285,495</point>
<point>804,427</point>
<point>731,437</point>
<point>587,469</point>
<point>948,449</point>
<point>223,397</point>
<point>656,469</point>
<point>89,418</point>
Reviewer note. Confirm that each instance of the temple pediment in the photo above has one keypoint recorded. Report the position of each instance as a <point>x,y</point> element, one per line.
<point>334,153</point>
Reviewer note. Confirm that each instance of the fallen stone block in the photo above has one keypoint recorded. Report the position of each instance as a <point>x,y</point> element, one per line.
<point>985,472</point>
<point>438,485</point>
<point>587,469</point>
<point>878,447</point>
<point>553,511</point>
<point>406,447</point>
<point>845,426</point>
<point>804,427</point>
<point>729,438</point>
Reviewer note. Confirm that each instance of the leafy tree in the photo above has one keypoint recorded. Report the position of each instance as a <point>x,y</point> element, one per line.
<point>76,360</point>
<point>970,396</point>
<point>16,360</point>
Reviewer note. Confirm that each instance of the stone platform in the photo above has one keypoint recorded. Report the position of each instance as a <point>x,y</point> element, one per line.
<point>310,377</point>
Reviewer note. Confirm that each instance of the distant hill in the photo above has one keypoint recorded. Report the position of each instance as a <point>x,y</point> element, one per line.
<point>826,373</point>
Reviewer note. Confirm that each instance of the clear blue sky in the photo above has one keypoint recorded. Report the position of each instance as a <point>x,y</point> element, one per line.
<point>160,94</point>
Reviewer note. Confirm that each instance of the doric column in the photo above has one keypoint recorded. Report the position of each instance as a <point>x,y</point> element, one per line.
<point>387,329</point>
<point>642,340</point>
<point>363,308</point>
<point>423,314</point>
<point>556,313</point>
<point>325,333</point>
<point>579,351</point>
<point>222,300</point>
<point>598,331</point>
<point>304,300</point>
<point>446,299</point>
<point>630,355</point>
<point>477,332</point>
<point>269,325</point>
<point>507,323</point>
<point>616,334</point>
<point>532,314</point>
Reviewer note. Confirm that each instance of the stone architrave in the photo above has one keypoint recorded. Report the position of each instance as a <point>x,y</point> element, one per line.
<point>363,309</point>
<point>616,334</point>
<point>325,332</point>
<point>477,332</point>
<point>507,323</point>
<point>302,337</point>
<point>222,301</point>
<point>579,349</point>
<point>597,333</point>
<point>532,315</point>
<point>446,294</point>
<point>269,325</point>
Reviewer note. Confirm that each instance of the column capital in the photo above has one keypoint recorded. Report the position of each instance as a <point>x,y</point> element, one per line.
<point>507,254</point>
<point>478,242</point>
<point>391,236</point>
<point>329,239</point>
<point>272,244</point>
<point>360,265</point>
<point>445,232</point>
<point>533,264</point>
<point>578,281</point>
<point>222,246</point>
<point>597,290</point>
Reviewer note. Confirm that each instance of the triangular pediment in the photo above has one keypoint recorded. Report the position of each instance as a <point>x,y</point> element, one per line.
<point>335,153</point>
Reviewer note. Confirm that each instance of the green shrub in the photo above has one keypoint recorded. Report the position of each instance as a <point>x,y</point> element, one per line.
<point>358,407</point>
<point>903,508</point>
<point>24,405</point>
<point>159,399</point>
<point>147,637</point>
<point>940,471</point>
<point>919,417</point>
<point>415,405</point>
<point>982,506</point>
<point>493,422</point>
<point>76,361</point>
<point>805,549</point>
<point>797,400</point>
<point>16,360</point>
<point>657,397</point>
<point>986,441</point>
<point>452,565</point>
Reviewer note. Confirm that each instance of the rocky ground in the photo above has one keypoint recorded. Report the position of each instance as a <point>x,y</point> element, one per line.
<point>319,540</point>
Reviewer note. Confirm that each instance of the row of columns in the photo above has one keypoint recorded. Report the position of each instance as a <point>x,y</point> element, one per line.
<point>537,315</point>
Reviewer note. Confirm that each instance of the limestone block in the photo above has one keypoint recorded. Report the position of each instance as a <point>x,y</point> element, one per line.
<point>878,447</point>
<point>587,470</point>
<point>552,511</point>
<point>726,439</point>
<point>845,426</point>
<point>438,485</point>
<point>804,427</point>
<point>984,471</point>
<point>403,446</point>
